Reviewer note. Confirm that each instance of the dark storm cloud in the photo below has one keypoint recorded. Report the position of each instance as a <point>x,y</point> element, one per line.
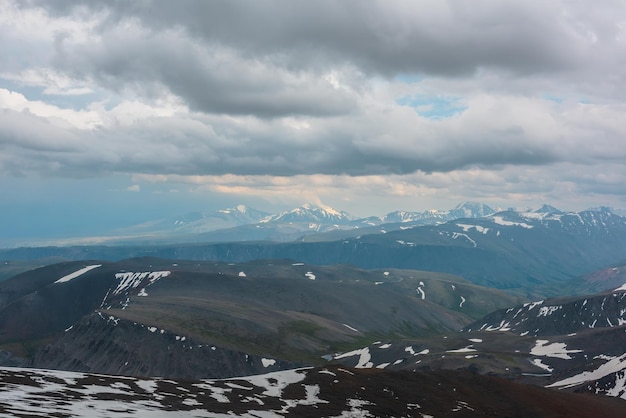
<point>210,147</point>
<point>270,58</point>
<point>208,79</point>
<point>386,37</point>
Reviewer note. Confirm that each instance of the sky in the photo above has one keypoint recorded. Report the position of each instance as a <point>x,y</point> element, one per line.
<point>113,113</point>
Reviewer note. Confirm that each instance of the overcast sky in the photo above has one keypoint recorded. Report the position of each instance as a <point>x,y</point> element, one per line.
<point>120,111</point>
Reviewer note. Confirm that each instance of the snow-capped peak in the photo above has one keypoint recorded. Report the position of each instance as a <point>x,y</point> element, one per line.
<point>547,209</point>
<point>311,213</point>
<point>473,210</point>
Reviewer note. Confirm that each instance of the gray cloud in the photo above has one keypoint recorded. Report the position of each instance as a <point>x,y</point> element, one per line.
<point>244,72</point>
<point>211,146</point>
<point>388,37</point>
<point>270,59</point>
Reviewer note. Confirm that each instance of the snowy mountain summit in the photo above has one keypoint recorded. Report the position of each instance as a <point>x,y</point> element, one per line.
<point>463,210</point>
<point>312,214</point>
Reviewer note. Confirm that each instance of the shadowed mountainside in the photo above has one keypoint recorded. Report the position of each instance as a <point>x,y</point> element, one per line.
<point>96,316</point>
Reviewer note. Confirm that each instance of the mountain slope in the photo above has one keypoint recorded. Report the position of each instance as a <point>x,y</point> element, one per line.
<point>283,311</point>
<point>598,281</point>
<point>575,344</point>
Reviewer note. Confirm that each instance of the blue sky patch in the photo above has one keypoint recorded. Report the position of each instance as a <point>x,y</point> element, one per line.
<point>433,107</point>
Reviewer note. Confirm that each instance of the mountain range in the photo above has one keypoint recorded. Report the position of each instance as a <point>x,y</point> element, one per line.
<point>532,253</point>
<point>285,338</point>
<point>242,223</point>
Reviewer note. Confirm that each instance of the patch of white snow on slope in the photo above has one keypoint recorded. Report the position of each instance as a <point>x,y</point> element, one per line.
<point>364,357</point>
<point>274,383</point>
<point>500,221</point>
<point>621,288</point>
<point>612,366</point>
<point>409,349</point>
<point>537,362</point>
<point>267,362</point>
<point>456,235</point>
<point>557,350</point>
<point>350,328</point>
<point>619,390</point>
<point>548,310</point>
<point>130,280</point>
<point>467,349</point>
<point>478,228</point>
<point>80,272</point>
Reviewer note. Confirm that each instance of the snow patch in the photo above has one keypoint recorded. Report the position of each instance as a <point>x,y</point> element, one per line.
<point>364,357</point>
<point>350,328</point>
<point>456,235</point>
<point>557,350</point>
<point>612,366</point>
<point>467,349</point>
<point>78,273</point>
<point>548,310</point>
<point>500,221</point>
<point>537,362</point>
<point>478,228</point>
<point>267,362</point>
<point>130,280</point>
<point>622,288</point>
<point>409,349</point>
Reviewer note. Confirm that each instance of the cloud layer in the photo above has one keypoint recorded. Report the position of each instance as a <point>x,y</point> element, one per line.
<point>413,90</point>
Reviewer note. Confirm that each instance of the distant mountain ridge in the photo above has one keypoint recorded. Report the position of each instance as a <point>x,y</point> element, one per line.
<point>534,252</point>
<point>305,223</point>
<point>311,213</point>
<point>242,223</point>
<point>197,222</point>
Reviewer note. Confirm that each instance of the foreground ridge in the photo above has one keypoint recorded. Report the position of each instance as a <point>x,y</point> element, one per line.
<point>326,391</point>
